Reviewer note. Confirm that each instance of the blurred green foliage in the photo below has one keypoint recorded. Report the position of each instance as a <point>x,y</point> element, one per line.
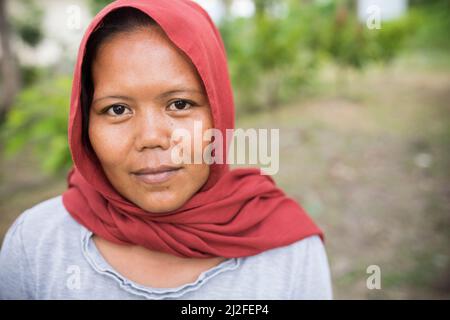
<point>270,55</point>
<point>275,53</point>
<point>433,17</point>
<point>38,123</point>
<point>97,5</point>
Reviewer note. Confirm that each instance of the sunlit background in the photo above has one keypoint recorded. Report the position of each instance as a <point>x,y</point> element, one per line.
<point>360,91</point>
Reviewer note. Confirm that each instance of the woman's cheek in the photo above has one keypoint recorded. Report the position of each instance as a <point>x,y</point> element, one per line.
<point>110,143</point>
<point>197,125</point>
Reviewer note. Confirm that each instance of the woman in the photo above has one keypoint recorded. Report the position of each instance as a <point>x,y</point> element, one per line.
<point>135,224</point>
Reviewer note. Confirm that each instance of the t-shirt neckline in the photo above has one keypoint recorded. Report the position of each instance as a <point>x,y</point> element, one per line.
<point>100,265</point>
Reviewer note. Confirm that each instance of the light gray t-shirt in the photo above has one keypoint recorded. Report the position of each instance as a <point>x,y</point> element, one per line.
<point>46,254</point>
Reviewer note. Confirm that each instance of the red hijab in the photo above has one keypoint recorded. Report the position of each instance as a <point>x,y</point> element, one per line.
<point>236,213</point>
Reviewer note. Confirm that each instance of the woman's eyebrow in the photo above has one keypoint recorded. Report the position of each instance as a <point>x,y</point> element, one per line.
<point>179,90</point>
<point>160,96</point>
<point>112,97</point>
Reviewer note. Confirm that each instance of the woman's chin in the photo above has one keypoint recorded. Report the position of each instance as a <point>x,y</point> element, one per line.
<point>165,203</point>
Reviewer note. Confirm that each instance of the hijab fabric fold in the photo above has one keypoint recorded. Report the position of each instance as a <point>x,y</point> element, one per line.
<point>236,213</point>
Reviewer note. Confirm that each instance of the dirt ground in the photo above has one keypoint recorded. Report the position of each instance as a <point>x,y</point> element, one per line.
<point>371,166</point>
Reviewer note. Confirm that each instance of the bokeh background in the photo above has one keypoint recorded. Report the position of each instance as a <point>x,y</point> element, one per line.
<point>360,91</point>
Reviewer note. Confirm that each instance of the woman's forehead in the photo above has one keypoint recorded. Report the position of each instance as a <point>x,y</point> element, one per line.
<point>143,58</point>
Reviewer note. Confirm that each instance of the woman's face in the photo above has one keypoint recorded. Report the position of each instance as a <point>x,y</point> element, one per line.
<point>144,89</point>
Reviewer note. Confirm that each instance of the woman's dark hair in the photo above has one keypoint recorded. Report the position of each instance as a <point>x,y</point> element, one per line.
<point>118,21</point>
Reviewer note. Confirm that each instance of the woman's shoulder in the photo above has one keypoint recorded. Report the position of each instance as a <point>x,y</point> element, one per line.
<point>310,269</point>
<point>33,244</point>
<point>47,216</point>
<point>43,223</point>
<point>298,256</point>
<point>300,250</point>
<point>302,266</point>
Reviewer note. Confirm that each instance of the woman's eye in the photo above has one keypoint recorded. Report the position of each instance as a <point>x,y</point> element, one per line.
<point>180,105</point>
<point>117,110</point>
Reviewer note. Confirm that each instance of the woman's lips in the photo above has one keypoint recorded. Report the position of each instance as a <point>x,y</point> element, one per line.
<point>156,176</point>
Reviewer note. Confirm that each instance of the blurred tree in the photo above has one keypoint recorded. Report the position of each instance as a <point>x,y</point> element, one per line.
<point>347,38</point>
<point>351,45</point>
<point>387,42</point>
<point>432,21</point>
<point>9,71</point>
<point>268,54</point>
<point>97,5</point>
<point>27,26</point>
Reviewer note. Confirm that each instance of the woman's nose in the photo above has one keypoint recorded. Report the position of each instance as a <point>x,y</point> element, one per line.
<point>152,130</point>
